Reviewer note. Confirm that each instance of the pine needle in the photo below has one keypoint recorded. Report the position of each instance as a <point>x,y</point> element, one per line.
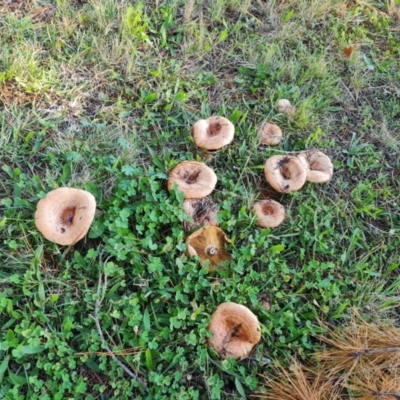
<point>298,383</point>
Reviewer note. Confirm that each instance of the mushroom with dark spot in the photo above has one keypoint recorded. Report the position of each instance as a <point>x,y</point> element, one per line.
<point>213,133</point>
<point>64,216</point>
<point>203,212</point>
<point>269,213</point>
<point>285,173</point>
<point>195,179</point>
<point>235,330</point>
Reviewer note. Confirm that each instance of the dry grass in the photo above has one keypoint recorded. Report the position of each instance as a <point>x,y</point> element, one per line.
<point>298,383</point>
<point>375,343</point>
<point>374,383</point>
<point>362,361</point>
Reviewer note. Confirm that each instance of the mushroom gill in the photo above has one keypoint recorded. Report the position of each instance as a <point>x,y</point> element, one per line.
<point>208,243</point>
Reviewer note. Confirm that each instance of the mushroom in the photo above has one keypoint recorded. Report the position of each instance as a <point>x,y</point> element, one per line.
<point>284,107</point>
<point>285,173</point>
<point>203,212</point>
<point>208,243</point>
<point>270,213</point>
<point>235,329</point>
<point>270,134</point>
<point>318,166</point>
<point>193,178</point>
<point>64,216</point>
<point>213,133</point>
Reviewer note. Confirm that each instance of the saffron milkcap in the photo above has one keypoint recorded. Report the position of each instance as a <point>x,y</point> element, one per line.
<point>269,213</point>
<point>213,133</point>
<point>202,211</point>
<point>285,107</point>
<point>195,179</point>
<point>235,329</point>
<point>270,134</point>
<point>285,173</point>
<point>318,166</point>
<point>208,243</point>
<point>64,216</point>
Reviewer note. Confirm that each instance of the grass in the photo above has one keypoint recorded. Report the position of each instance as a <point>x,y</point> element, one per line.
<point>102,95</point>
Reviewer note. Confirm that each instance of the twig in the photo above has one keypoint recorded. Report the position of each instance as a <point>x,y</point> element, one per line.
<point>380,350</point>
<point>386,394</point>
<point>100,332</point>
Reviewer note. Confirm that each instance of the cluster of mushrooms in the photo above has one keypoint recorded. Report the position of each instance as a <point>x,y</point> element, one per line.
<point>65,215</point>
<point>235,328</point>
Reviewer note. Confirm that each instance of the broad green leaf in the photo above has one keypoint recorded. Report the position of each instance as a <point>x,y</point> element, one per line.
<point>54,298</point>
<point>17,380</point>
<point>149,98</point>
<point>92,365</point>
<point>79,259</point>
<point>239,388</point>
<point>67,326</point>
<point>277,248</point>
<point>10,335</point>
<point>32,349</point>
<point>94,189</point>
<point>223,35</point>
<point>41,293</point>
<point>3,223</point>
<point>3,367</point>
<point>146,320</point>
<point>149,360</point>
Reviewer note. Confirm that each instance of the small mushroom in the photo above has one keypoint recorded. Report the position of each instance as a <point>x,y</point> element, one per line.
<point>213,133</point>
<point>265,300</point>
<point>270,213</point>
<point>270,134</point>
<point>208,243</point>
<point>318,166</point>
<point>285,173</point>
<point>64,216</point>
<point>203,212</point>
<point>235,329</point>
<point>284,107</point>
<point>195,179</point>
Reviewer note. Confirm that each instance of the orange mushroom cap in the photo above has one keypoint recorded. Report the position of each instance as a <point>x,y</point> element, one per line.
<point>318,166</point>
<point>64,216</point>
<point>208,243</point>
<point>270,213</point>
<point>270,134</point>
<point>285,107</point>
<point>285,173</point>
<point>195,179</point>
<point>235,329</point>
<point>213,133</point>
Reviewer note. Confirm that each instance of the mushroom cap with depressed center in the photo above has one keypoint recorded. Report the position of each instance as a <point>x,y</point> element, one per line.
<point>285,107</point>
<point>318,166</point>
<point>269,213</point>
<point>195,179</point>
<point>270,134</point>
<point>235,329</point>
<point>285,173</point>
<point>203,212</point>
<point>64,216</point>
<point>213,133</point>
<point>208,243</point>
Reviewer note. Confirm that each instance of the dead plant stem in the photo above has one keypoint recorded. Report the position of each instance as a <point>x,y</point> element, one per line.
<point>101,288</point>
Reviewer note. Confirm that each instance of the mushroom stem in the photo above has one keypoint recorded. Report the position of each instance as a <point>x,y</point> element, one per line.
<point>211,250</point>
